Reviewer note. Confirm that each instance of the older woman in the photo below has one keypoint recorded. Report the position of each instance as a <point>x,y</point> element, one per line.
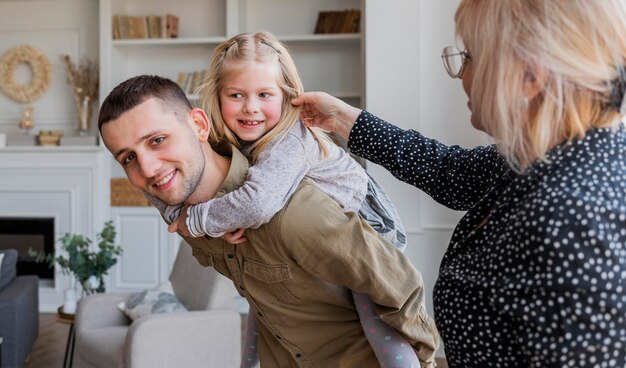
<point>534,273</point>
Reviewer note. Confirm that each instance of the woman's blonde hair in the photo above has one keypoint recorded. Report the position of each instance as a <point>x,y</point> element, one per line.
<point>260,47</point>
<point>574,49</point>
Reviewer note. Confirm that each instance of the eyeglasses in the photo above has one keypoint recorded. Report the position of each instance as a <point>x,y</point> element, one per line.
<point>454,60</point>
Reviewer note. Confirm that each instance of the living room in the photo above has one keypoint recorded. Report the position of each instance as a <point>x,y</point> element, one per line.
<point>391,67</point>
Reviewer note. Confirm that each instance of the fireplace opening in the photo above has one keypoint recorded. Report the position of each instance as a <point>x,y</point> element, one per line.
<point>22,234</point>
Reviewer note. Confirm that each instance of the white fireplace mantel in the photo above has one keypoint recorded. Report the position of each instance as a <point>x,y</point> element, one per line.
<point>69,184</point>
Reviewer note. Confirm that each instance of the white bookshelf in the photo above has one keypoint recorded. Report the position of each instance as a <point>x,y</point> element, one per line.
<point>330,62</point>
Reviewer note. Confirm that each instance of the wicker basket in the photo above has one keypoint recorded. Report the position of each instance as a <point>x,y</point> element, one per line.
<point>123,193</point>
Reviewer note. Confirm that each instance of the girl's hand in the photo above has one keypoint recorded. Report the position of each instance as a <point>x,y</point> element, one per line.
<point>236,237</point>
<point>179,225</point>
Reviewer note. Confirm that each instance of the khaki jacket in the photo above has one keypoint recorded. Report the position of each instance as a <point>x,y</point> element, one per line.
<point>297,273</point>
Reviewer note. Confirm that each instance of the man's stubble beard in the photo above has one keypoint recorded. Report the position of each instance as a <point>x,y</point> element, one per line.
<point>191,183</point>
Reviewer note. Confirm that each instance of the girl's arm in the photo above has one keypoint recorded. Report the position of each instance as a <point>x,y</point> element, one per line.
<point>269,184</point>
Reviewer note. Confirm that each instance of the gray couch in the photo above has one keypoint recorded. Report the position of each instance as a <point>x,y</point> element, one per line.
<point>19,312</point>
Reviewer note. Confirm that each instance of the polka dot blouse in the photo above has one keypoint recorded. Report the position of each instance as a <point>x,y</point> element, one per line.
<point>535,272</point>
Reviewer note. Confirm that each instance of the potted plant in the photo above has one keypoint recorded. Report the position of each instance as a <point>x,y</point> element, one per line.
<point>88,266</point>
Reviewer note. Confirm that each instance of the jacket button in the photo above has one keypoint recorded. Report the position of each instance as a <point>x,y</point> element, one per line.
<point>298,355</point>
<point>230,256</point>
<point>259,314</point>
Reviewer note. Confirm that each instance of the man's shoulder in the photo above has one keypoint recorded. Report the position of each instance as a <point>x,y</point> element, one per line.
<point>308,205</point>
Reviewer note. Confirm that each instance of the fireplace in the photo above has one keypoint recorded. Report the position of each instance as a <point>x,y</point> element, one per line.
<point>67,184</point>
<point>23,234</point>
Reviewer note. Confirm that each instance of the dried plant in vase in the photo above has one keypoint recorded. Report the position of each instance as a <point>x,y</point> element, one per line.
<point>83,78</point>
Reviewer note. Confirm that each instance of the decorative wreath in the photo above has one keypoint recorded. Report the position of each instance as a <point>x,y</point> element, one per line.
<point>40,66</point>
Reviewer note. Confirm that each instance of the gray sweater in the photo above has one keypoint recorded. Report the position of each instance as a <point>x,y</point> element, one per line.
<point>273,179</point>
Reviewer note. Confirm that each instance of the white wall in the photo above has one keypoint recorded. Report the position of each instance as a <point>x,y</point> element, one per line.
<point>54,28</point>
<point>408,86</point>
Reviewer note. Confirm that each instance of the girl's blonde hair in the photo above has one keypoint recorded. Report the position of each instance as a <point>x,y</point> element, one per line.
<point>575,48</point>
<point>260,47</point>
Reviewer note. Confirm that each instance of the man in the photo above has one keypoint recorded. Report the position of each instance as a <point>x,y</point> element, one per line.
<point>295,271</point>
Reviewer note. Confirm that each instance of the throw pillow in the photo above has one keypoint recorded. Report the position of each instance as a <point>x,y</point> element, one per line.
<point>8,267</point>
<point>159,300</point>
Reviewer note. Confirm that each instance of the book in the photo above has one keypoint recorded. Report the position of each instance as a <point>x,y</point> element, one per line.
<point>115,27</point>
<point>344,21</point>
<point>351,21</point>
<point>171,26</point>
<point>322,18</point>
<point>154,26</point>
<point>140,27</point>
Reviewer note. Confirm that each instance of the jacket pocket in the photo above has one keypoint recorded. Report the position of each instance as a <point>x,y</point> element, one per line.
<point>273,279</point>
<point>203,257</point>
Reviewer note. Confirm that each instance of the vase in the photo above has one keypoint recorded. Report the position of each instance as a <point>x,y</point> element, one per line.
<point>90,285</point>
<point>83,116</point>
<point>69,303</point>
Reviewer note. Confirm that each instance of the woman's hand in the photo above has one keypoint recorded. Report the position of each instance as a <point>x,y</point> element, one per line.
<point>319,109</point>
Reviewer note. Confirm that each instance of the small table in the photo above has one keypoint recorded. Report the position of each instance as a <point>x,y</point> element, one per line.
<point>69,348</point>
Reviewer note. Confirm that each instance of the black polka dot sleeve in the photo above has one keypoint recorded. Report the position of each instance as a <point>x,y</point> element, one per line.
<point>453,176</point>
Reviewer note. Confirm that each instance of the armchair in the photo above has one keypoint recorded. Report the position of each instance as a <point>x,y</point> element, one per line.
<point>208,335</point>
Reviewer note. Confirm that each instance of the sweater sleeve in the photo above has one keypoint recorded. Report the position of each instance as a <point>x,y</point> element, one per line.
<point>269,184</point>
<point>453,176</point>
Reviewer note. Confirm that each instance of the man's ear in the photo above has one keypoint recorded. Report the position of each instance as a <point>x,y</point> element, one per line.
<point>201,123</point>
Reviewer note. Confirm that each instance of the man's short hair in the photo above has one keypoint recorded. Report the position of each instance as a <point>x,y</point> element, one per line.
<point>136,90</point>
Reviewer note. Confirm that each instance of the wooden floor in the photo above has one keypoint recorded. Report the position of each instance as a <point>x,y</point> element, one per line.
<point>49,348</point>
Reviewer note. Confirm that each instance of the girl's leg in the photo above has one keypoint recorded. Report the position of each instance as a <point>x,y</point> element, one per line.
<point>391,349</point>
<point>250,357</point>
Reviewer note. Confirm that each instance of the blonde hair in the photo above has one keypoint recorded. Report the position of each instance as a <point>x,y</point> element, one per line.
<point>260,47</point>
<point>575,48</point>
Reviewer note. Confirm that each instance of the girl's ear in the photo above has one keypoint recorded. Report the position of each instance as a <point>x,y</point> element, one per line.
<point>201,123</point>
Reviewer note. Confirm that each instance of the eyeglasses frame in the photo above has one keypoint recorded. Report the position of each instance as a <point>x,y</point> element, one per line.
<point>445,56</point>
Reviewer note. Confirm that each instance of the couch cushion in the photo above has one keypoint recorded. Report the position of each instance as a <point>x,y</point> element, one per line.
<point>159,300</point>
<point>8,267</point>
<point>103,347</point>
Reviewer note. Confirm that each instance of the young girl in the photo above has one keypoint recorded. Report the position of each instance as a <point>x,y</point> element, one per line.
<point>248,89</point>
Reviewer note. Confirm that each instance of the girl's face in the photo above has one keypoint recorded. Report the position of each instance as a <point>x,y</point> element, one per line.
<point>251,100</point>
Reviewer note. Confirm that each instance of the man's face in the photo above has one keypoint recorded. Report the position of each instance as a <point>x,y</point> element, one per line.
<point>160,154</point>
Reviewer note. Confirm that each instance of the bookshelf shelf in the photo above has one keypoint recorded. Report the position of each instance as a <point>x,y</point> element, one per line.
<point>210,41</point>
<point>336,37</point>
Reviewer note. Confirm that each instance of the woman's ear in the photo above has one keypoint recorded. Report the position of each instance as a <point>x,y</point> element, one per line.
<point>201,123</point>
<point>534,81</point>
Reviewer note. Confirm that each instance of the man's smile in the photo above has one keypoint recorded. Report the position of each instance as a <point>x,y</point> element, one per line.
<point>166,181</point>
